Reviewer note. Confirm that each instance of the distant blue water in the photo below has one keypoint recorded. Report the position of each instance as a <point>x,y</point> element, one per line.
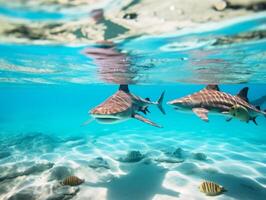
<point>63,109</point>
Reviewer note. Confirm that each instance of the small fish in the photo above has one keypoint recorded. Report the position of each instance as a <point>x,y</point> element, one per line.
<point>72,181</point>
<point>240,113</point>
<point>211,188</point>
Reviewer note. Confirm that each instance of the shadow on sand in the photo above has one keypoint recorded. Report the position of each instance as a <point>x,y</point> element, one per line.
<point>143,182</point>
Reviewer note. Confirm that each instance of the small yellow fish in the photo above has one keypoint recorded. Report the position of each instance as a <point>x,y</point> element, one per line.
<point>211,188</point>
<point>72,181</point>
<point>240,113</point>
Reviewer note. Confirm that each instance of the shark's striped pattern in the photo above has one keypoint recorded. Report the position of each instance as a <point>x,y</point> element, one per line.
<point>210,99</point>
<point>124,105</point>
<point>117,103</point>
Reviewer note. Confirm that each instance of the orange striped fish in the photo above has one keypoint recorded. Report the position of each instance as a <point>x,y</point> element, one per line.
<point>72,181</point>
<point>212,99</point>
<point>124,105</point>
<point>211,188</point>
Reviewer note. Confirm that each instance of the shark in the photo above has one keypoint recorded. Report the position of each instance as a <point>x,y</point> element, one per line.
<point>124,105</point>
<point>211,99</point>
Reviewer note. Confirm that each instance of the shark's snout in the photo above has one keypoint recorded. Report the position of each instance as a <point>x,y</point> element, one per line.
<point>175,102</point>
<point>181,103</point>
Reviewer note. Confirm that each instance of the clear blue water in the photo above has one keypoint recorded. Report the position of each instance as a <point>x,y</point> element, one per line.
<point>46,92</point>
<point>43,124</point>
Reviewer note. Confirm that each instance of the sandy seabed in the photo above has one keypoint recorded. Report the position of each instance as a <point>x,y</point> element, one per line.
<point>168,165</point>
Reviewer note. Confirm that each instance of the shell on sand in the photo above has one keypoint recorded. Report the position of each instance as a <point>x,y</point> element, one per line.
<point>72,181</point>
<point>211,188</point>
<point>220,5</point>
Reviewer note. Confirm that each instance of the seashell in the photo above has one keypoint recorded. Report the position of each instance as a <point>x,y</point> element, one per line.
<point>72,181</point>
<point>211,188</point>
<point>220,5</point>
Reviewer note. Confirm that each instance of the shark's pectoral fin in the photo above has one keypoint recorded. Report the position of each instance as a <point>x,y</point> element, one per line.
<point>201,113</point>
<point>229,119</point>
<point>145,120</point>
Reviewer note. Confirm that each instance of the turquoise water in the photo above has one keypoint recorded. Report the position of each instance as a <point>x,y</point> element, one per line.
<point>46,92</point>
<point>42,124</point>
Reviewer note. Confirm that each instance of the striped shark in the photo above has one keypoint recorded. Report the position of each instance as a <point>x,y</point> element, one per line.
<point>124,105</point>
<point>211,99</point>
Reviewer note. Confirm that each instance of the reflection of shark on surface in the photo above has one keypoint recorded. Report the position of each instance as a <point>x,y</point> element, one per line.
<point>212,99</point>
<point>124,105</point>
<point>143,182</point>
<point>113,66</point>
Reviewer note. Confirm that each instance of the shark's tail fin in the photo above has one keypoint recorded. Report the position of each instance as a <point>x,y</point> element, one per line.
<point>265,113</point>
<point>159,103</point>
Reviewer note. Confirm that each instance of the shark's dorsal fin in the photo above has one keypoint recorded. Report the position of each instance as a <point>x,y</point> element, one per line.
<point>124,88</point>
<point>243,94</point>
<point>258,107</point>
<point>212,87</point>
